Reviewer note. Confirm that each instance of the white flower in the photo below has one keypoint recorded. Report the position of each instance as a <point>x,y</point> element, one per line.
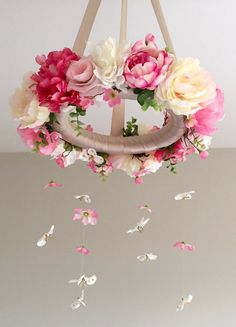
<point>128,163</point>
<point>187,87</point>
<point>108,57</point>
<point>69,156</point>
<point>26,108</point>
<point>151,164</point>
<point>206,142</point>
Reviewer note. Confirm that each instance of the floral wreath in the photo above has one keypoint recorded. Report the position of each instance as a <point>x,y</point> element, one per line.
<point>69,83</point>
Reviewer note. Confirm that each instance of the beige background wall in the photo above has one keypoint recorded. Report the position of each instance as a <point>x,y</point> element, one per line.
<point>33,284</point>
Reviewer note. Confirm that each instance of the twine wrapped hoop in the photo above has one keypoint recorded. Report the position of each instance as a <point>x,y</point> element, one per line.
<point>115,143</point>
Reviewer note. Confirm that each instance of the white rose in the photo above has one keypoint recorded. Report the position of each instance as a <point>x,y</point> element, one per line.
<point>26,108</point>
<point>187,87</point>
<point>108,57</point>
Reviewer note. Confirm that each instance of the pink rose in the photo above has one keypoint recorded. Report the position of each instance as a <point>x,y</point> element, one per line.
<point>146,67</point>
<point>80,75</point>
<point>204,121</point>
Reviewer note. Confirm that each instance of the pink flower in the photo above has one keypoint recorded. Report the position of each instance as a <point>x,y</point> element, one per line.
<point>89,128</point>
<point>49,143</point>
<point>60,161</point>
<point>184,246</point>
<point>51,86</point>
<point>146,67</point>
<point>203,154</point>
<point>145,207</point>
<point>176,152</point>
<point>80,75</point>
<point>87,217</point>
<point>82,249</point>
<point>112,97</point>
<point>138,180</point>
<point>40,140</point>
<point>29,136</point>
<point>205,120</point>
<point>52,184</point>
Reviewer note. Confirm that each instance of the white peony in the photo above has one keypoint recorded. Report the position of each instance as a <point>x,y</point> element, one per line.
<point>26,108</point>
<point>108,57</point>
<point>187,87</point>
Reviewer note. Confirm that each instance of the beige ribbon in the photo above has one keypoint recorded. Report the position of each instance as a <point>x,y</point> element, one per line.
<point>118,113</point>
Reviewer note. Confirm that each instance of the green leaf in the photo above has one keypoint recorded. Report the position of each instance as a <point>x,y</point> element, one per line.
<point>73,114</point>
<point>137,91</point>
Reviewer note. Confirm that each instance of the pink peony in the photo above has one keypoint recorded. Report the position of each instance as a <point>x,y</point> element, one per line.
<point>29,136</point>
<point>41,140</point>
<point>80,75</point>
<point>82,249</point>
<point>112,97</point>
<point>87,216</point>
<point>146,67</point>
<point>184,246</point>
<point>204,121</point>
<point>51,85</point>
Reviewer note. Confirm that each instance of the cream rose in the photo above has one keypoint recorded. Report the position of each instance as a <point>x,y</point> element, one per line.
<point>108,57</point>
<point>26,108</point>
<point>187,87</point>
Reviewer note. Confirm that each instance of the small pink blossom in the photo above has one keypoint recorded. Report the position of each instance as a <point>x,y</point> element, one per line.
<point>145,207</point>
<point>83,250</point>
<point>138,180</point>
<point>184,246</point>
<point>203,154</point>
<point>52,184</point>
<point>89,128</point>
<point>60,161</point>
<point>51,140</point>
<point>87,216</point>
<point>112,97</point>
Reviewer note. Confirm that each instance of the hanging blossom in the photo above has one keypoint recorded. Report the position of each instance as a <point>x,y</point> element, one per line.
<point>184,246</point>
<point>87,217</point>
<point>83,250</point>
<point>52,184</point>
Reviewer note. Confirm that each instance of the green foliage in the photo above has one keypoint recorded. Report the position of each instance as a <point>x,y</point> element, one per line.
<point>131,128</point>
<point>146,99</point>
<point>171,166</point>
<point>75,118</point>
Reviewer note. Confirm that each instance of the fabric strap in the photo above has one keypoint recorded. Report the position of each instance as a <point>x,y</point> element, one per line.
<point>118,113</point>
<point>86,26</point>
